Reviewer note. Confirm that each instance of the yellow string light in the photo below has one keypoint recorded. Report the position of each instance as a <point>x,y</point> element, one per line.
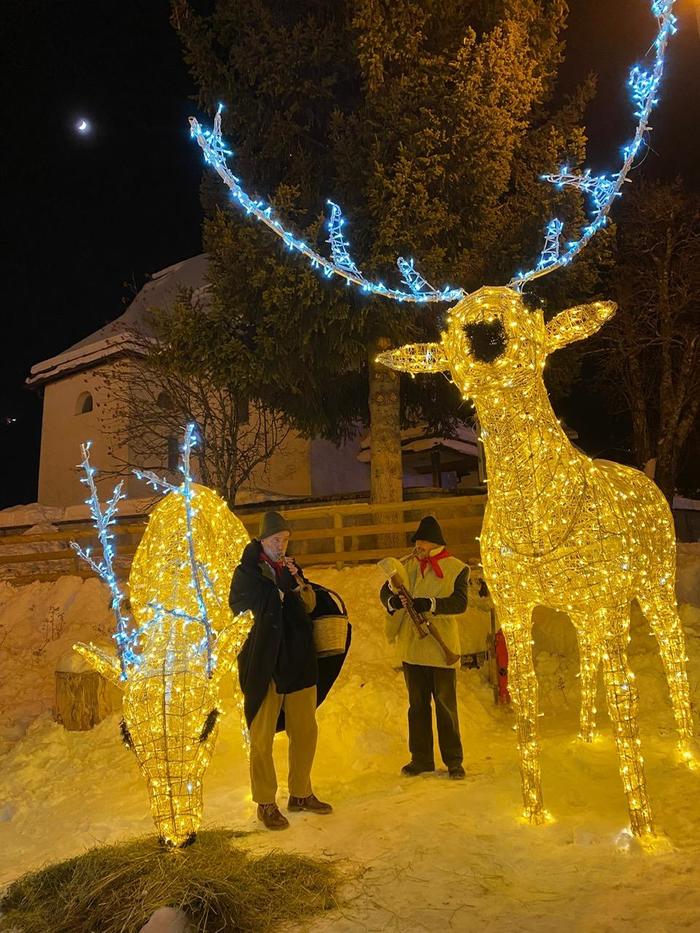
<point>581,536</point>
<point>171,703</point>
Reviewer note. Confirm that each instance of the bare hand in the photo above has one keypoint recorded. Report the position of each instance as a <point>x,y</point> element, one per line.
<point>406,601</point>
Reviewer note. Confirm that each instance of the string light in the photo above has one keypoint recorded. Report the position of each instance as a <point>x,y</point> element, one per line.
<point>215,154</point>
<point>602,190</point>
<point>560,529</point>
<point>103,520</point>
<point>181,643</point>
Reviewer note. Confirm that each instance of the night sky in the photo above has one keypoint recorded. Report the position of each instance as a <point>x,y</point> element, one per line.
<point>84,214</point>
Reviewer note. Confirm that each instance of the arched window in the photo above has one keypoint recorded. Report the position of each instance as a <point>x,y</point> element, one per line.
<point>84,403</point>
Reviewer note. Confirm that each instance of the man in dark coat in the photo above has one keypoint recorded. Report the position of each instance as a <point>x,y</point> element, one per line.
<point>278,669</point>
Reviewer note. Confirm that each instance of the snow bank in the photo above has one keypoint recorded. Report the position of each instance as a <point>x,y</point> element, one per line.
<point>421,854</point>
<point>39,624</point>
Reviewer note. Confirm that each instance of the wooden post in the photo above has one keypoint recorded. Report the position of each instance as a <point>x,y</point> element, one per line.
<point>83,697</point>
<point>435,466</point>
<point>338,541</point>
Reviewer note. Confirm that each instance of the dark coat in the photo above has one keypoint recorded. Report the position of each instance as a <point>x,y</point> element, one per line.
<point>252,588</point>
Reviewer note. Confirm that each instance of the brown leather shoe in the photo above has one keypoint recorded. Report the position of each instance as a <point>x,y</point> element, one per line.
<point>310,803</point>
<point>270,815</point>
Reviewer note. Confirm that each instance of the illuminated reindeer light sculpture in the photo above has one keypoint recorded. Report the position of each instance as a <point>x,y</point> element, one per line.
<point>581,536</point>
<point>560,530</point>
<point>178,641</point>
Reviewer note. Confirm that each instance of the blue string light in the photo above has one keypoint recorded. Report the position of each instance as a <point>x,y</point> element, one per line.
<point>215,154</point>
<point>338,243</point>
<point>127,636</point>
<point>602,191</point>
<point>550,253</point>
<point>413,278</point>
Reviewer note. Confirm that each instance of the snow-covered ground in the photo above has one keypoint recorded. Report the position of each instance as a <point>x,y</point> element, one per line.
<point>421,854</point>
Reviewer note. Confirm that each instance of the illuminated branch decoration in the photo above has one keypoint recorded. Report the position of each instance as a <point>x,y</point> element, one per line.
<point>125,635</point>
<point>338,243</point>
<point>602,191</point>
<point>550,253</point>
<point>216,153</point>
<point>183,640</point>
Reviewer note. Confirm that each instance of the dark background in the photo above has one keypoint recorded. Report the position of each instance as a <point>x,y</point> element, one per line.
<point>86,213</point>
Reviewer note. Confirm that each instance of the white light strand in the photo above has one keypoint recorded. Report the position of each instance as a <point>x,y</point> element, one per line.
<point>125,634</point>
<point>603,190</point>
<point>215,154</point>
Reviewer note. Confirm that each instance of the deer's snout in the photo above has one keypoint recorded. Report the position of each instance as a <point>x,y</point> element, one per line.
<point>487,339</point>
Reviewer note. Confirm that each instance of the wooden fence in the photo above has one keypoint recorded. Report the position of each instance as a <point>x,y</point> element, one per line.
<point>329,534</point>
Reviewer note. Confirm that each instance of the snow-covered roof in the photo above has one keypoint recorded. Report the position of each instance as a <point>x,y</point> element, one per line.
<point>420,438</point>
<point>127,332</point>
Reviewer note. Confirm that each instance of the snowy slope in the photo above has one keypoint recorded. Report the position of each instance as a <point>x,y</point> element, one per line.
<point>421,854</point>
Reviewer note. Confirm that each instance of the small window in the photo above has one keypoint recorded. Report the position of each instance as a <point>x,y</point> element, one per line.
<point>173,453</point>
<point>243,409</point>
<point>84,403</point>
<point>165,402</point>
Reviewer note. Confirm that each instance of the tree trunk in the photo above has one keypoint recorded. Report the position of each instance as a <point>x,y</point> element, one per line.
<point>84,698</point>
<point>386,471</point>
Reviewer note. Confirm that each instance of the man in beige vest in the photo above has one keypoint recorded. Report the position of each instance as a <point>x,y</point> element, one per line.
<point>438,584</point>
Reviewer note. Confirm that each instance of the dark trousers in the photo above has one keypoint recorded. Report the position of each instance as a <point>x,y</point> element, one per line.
<point>440,684</point>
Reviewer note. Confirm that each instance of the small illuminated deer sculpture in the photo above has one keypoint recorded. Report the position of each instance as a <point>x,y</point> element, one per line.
<point>178,641</point>
<point>581,536</point>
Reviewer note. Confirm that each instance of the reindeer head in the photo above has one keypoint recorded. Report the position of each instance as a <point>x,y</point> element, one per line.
<point>493,342</point>
<point>185,642</point>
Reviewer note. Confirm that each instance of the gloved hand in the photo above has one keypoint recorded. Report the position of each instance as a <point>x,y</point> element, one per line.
<point>394,603</point>
<point>422,604</point>
<point>286,582</point>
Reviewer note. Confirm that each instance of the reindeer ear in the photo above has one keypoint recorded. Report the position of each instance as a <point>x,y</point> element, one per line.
<point>416,358</point>
<point>577,323</point>
<point>230,641</point>
<point>103,663</point>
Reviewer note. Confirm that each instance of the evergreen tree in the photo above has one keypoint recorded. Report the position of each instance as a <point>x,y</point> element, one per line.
<point>651,348</point>
<point>430,124</point>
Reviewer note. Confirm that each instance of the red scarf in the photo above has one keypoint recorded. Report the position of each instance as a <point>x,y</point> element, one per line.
<point>277,565</point>
<point>434,562</point>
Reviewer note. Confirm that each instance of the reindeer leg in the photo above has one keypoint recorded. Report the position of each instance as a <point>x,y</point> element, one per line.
<point>665,623</point>
<point>589,659</point>
<point>621,695</point>
<point>522,683</point>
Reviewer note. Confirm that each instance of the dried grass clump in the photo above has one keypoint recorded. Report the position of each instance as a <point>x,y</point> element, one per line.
<point>115,889</point>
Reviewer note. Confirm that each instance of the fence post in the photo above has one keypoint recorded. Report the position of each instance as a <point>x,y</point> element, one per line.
<point>338,541</point>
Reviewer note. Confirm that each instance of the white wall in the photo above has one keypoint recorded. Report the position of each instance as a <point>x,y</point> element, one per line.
<point>63,430</point>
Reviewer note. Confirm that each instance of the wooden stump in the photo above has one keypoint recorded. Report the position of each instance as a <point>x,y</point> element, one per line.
<point>83,697</point>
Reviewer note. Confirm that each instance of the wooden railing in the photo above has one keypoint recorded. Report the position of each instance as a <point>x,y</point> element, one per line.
<point>323,534</point>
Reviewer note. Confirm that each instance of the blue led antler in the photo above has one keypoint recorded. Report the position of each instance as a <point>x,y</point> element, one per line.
<point>215,153</point>
<point>198,575</point>
<point>126,635</point>
<point>602,191</point>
